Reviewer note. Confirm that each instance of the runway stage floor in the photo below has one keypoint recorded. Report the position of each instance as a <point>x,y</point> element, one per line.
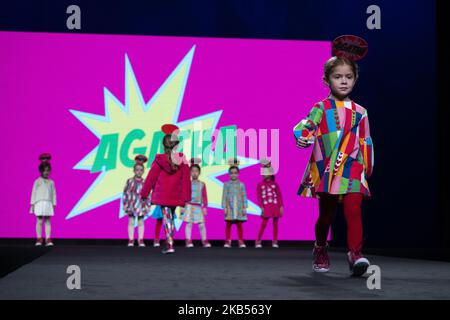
<point>118,272</point>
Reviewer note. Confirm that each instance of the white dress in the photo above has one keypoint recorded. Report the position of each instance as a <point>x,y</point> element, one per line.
<point>43,197</point>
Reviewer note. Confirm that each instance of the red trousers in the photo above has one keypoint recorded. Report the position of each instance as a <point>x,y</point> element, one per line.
<point>352,212</point>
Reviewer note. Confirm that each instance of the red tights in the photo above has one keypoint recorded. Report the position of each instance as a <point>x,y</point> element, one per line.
<point>352,212</point>
<point>240,230</point>
<point>263,227</point>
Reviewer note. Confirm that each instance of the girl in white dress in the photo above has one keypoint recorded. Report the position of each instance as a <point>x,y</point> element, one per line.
<point>43,200</point>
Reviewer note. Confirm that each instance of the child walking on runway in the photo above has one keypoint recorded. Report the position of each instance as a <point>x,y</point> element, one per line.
<point>169,182</point>
<point>341,162</point>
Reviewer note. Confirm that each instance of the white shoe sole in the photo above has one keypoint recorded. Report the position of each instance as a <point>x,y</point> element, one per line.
<point>321,270</point>
<point>360,267</point>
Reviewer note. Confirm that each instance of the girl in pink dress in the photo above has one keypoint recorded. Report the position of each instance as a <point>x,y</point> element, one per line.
<point>270,202</point>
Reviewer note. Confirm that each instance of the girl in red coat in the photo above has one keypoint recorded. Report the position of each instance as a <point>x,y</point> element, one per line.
<point>270,201</point>
<point>170,183</point>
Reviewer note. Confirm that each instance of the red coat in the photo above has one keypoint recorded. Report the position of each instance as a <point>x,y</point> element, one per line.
<point>169,187</point>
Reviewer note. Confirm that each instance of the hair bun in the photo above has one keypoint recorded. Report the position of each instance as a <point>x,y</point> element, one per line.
<point>140,159</point>
<point>195,161</point>
<point>351,47</point>
<point>169,128</point>
<point>45,157</point>
<point>233,162</point>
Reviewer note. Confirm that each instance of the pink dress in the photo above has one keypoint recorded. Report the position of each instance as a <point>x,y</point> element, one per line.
<point>269,198</point>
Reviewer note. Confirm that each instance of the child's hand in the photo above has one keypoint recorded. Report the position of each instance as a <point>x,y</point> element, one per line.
<point>303,142</point>
<point>32,209</point>
<point>281,211</point>
<point>204,211</point>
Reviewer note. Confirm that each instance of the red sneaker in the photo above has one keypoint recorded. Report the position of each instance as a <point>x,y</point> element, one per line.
<point>168,249</point>
<point>357,263</point>
<point>321,261</point>
<point>38,242</point>
<point>141,243</point>
<point>206,244</point>
<point>48,242</point>
<point>130,243</point>
<point>189,243</point>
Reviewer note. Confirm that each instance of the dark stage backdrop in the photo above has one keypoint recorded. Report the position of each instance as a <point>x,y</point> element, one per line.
<point>398,82</point>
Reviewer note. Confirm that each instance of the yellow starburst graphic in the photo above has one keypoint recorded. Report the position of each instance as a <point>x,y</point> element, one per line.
<point>134,128</point>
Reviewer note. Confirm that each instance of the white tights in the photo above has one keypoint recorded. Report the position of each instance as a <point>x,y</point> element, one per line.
<point>201,227</point>
<point>141,227</point>
<point>48,227</point>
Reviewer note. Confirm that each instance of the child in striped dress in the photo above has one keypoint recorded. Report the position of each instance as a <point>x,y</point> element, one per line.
<point>43,200</point>
<point>195,210</point>
<point>234,203</point>
<point>133,205</point>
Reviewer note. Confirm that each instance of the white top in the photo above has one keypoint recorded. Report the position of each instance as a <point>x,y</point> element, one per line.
<point>43,189</point>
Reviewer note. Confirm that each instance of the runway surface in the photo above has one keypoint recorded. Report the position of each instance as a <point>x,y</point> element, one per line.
<point>118,272</point>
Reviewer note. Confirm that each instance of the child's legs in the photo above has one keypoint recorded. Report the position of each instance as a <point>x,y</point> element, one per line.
<point>228,231</point>
<point>327,213</point>
<point>262,228</point>
<point>168,223</point>
<point>275,229</point>
<point>352,213</point>
<point>240,231</point>
<point>202,228</point>
<point>188,230</point>
<point>48,228</point>
<point>131,227</point>
<point>141,228</point>
<point>158,228</point>
<point>38,227</point>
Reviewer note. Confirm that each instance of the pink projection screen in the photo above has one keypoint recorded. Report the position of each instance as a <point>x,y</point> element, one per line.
<point>64,93</point>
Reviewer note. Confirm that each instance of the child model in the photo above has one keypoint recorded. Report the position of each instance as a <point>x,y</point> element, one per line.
<point>169,182</point>
<point>195,210</point>
<point>270,202</point>
<point>234,203</point>
<point>43,200</point>
<point>341,161</point>
<point>133,206</point>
